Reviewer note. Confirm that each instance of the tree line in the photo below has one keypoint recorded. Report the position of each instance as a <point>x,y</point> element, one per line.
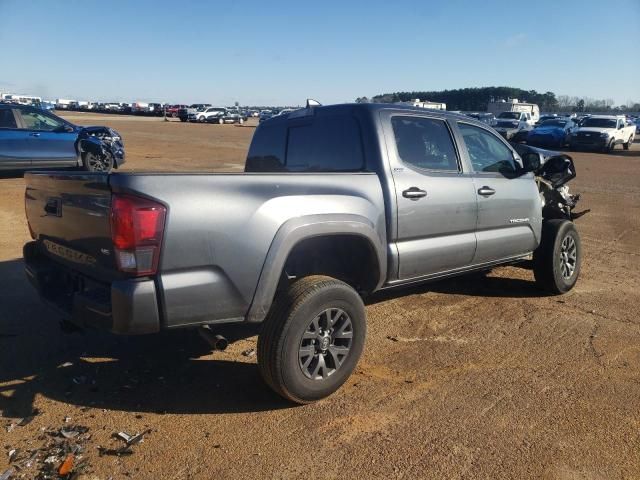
<point>476,99</point>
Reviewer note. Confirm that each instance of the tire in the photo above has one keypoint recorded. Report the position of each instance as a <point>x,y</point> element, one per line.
<point>628,144</point>
<point>609,148</point>
<point>202,119</point>
<point>297,323</point>
<point>556,261</point>
<point>221,121</point>
<point>240,121</point>
<point>94,163</point>
<point>182,119</point>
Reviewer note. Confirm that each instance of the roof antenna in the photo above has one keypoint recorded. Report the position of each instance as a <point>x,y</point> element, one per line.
<point>313,103</point>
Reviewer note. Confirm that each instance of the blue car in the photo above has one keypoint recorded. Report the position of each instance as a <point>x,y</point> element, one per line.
<point>552,133</point>
<point>33,138</point>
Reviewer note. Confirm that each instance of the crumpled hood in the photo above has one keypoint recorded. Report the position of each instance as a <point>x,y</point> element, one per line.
<point>597,130</point>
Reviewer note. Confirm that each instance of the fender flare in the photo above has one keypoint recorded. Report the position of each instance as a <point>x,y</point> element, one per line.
<point>293,232</point>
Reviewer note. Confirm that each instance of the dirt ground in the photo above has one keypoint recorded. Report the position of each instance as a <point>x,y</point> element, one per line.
<point>478,377</point>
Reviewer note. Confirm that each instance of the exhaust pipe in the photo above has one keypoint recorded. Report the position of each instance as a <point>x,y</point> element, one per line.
<point>217,342</point>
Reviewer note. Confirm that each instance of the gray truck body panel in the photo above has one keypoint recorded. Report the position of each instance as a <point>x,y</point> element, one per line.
<point>228,236</point>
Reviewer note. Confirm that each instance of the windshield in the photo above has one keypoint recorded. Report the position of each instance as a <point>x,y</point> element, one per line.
<point>513,115</point>
<point>599,122</point>
<point>553,123</point>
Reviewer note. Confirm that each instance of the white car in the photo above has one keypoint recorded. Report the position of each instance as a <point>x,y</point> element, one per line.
<point>218,115</point>
<point>603,132</point>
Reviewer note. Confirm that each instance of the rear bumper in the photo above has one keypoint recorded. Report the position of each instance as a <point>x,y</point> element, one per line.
<point>123,306</point>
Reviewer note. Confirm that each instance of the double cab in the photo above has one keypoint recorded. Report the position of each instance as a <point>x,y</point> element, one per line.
<point>336,203</point>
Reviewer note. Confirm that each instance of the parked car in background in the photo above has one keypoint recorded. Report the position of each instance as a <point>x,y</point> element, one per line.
<point>265,115</point>
<point>603,132</point>
<point>172,110</point>
<point>544,118</point>
<point>297,246</point>
<point>488,118</point>
<point>208,114</point>
<point>33,138</point>
<point>156,109</point>
<point>183,113</point>
<point>514,105</point>
<point>637,125</point>
<point>514,126</point>
<point>552,133</point>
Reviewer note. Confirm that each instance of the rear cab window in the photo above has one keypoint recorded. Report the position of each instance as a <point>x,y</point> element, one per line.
<point>314,143</point>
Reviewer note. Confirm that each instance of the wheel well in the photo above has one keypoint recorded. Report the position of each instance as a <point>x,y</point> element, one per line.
<point>350,258</point>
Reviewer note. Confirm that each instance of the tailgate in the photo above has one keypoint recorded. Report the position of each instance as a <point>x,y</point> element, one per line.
<point>69,215</point>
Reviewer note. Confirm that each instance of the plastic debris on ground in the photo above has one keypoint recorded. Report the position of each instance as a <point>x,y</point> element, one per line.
<point>129,441</point>
<point>61,456</point>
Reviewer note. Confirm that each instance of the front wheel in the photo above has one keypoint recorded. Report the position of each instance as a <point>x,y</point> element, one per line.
<point>312,339</point>
<point>556,261</point>
<point>93,162</point>
<point>628,144</point>
<point>220,121</point>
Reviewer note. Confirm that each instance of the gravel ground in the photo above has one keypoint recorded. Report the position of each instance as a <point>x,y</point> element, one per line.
<point>476,377</point>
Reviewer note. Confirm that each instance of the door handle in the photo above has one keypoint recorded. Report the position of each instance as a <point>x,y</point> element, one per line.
<point>414,193</point>
<point>486,191</point>
<point>34,134</point>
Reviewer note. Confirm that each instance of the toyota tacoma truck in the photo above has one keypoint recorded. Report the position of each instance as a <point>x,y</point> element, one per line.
<point>603,132</point>
<point>336,203</point>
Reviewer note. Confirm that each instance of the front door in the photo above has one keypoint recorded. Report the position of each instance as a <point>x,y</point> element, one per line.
<point>49,144</point>
<point>435,197</point>
<point>509,208</point>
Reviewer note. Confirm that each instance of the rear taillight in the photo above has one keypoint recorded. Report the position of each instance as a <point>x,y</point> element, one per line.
<point>137,225</point>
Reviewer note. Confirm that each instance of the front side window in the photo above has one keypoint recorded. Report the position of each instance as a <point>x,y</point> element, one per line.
<point>39,121</point>
<point>424,143</point>
<point>486,151</point>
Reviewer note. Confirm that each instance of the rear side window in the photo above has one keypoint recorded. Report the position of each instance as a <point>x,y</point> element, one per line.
<point>424,143</point>
<point>320,144</point>
<point>7,120</point>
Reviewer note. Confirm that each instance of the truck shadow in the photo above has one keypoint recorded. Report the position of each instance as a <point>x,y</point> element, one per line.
<point>164,373</point>
<point>173,372</point>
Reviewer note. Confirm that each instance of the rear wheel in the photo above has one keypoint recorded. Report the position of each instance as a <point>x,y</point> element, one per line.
<point>312,339</point>
<point>93,162</point>
<point>240,121</point>
<point>556,261</point>
<point>220,121</point>
<point>202,119</point>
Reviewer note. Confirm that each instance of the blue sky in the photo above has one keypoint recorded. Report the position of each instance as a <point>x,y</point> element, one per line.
<point>282,52</point>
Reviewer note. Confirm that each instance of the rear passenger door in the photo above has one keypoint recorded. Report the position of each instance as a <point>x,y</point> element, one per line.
<point>13,142</point>
<point>435,196</point>
<point>509,208</point>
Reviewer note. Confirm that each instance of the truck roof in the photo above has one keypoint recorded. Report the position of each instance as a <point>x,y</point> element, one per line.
<point>369,108</point>
<point>609,117</point>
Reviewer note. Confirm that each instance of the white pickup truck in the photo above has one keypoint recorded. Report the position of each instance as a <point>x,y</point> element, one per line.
<point>603,132</point>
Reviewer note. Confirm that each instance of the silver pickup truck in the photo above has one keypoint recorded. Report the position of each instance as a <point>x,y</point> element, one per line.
<point>336,202</point>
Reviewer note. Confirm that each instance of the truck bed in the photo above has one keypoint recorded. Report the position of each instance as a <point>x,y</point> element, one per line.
<point>219,231</point>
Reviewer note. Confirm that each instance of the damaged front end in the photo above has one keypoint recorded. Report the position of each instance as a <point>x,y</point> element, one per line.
<point>102,141</point>
<point>554,170</point>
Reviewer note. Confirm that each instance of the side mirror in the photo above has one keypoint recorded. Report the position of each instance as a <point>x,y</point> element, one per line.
<point>531,161</point>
